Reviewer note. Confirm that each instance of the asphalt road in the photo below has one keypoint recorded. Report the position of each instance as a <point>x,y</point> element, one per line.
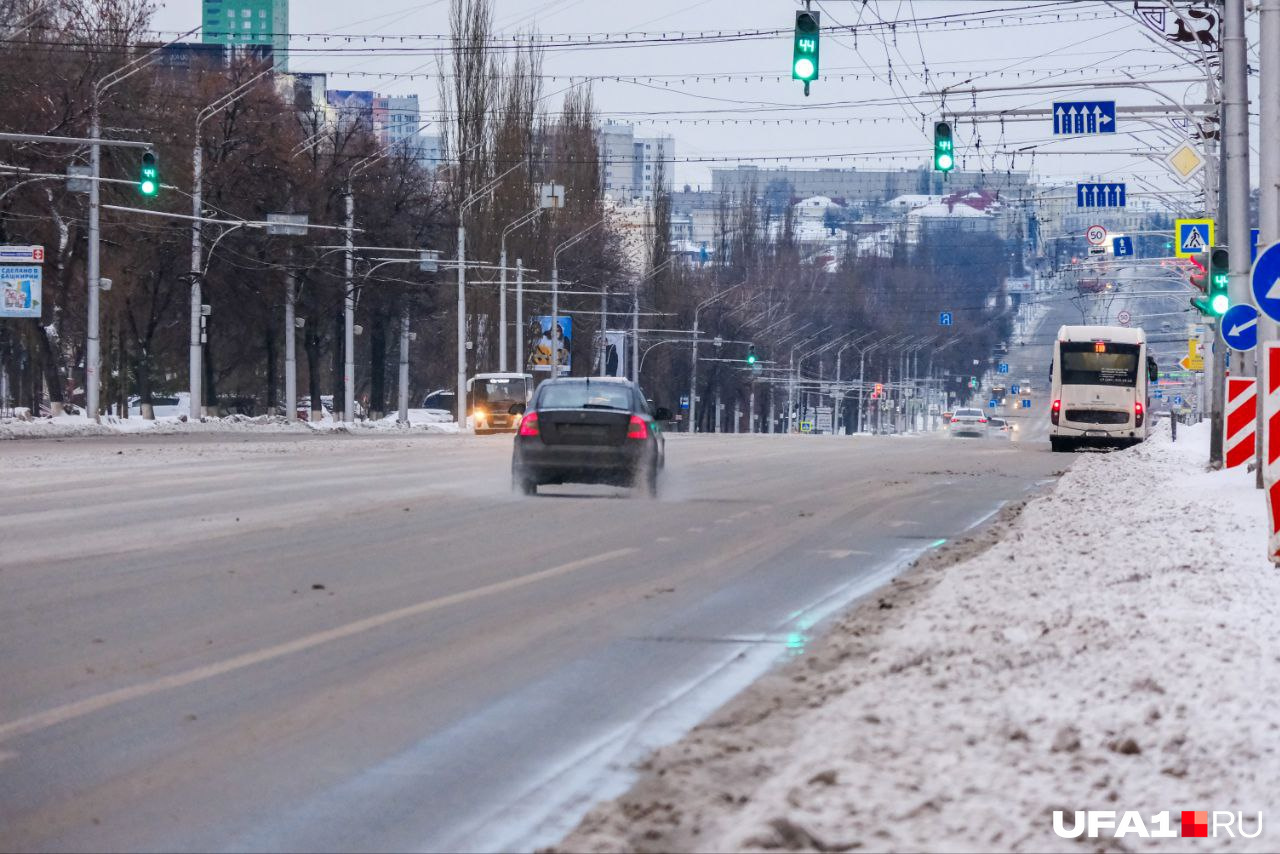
<point>342,643</point>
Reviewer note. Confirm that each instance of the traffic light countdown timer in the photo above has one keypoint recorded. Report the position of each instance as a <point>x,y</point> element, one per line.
<point>944,150</point>
<point>804,49</point>
<point>149,175</point>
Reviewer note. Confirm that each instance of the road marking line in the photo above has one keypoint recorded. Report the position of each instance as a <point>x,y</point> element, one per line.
<point>80,708</point>
<point>839,554</point>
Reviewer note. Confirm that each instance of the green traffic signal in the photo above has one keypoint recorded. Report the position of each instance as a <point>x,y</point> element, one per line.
<point>804,50</point>
<point>1219,280</point>
<point>149,175</point>
<point>944,152</point>
<point>751,355</point>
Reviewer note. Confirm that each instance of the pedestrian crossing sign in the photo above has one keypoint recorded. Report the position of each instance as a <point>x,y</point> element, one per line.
<point>1193,237</point>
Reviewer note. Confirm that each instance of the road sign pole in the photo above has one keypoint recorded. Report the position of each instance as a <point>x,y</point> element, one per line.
<point>1271,460</point>
<point>91,359</point>
<point>1269,173</point>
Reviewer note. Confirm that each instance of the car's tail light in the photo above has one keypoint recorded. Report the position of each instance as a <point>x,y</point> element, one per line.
<point>982,421</point>
<point>1055,411</point>
<point>529,425</point>
<point>637,429</point>
<point>955,420</point>
<point>1138,413</point>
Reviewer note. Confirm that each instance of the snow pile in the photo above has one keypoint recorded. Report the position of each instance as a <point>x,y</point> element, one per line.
<point>1117,647</point>
<point>69,426</point>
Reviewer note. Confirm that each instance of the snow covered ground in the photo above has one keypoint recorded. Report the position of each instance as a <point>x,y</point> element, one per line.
<point>67,426</point>
<point>1114,645</point>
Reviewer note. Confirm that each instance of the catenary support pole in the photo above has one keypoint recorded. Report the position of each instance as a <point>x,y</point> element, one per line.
<point>91,359</point>
<point>503,365</point>
<point>290,341</point>
<point>519,355</point>
<point>403,417</point>
<point>349,316</point>
<point>460,404</point>
<point>1235,158</point>
<point>195,353</point>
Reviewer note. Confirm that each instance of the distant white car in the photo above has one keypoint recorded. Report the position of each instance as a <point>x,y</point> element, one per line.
<point>163,405</point>
<point>969,422</point>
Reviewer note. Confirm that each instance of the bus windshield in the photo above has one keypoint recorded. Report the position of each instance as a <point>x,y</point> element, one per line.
<point>1099,363</point>
<point>498,392</point>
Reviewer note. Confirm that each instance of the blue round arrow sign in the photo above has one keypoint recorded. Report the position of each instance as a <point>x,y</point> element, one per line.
<point>1266,282</point>
<point>1240,327</point>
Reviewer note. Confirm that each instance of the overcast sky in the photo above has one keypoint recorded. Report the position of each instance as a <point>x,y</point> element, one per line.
<point>1057,42</point>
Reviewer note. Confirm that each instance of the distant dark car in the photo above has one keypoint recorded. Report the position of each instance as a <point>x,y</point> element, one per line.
<point>589,430</point>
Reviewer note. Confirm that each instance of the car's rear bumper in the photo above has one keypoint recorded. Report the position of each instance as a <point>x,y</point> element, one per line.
<point>581,463</point>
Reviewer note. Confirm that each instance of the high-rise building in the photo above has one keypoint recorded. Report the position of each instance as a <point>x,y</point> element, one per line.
<point>237,23</point>
<point>633,165</point>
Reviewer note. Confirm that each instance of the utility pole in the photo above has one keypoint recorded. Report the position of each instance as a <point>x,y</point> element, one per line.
<point>1235,151</point>
<point>349,314</point>
<point>403,417</point>
<point>1221,213</point>
<point>519,360</point>
<point>290,341</point>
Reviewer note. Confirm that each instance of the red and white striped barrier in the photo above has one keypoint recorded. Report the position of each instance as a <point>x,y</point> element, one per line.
<point>1239,427</point>
<point>1271,444</point>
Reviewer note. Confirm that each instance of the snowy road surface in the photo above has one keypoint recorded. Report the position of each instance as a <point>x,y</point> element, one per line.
<point>341,642</point>
<point>1114,647</point>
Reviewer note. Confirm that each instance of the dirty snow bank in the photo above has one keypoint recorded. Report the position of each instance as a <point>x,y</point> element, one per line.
<point>1117,647</point>
<point>69,426</point>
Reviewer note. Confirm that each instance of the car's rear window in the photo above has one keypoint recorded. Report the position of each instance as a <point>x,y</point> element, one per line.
<point>969,413</point>
<point>585,396</point>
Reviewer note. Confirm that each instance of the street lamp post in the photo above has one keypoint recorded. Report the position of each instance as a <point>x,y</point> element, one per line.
<point>693,365</point>
<point>522,220</point>
<point>555,292</point>
<point>196,354</point>
<point>461,402</point>
<point>92,356</point>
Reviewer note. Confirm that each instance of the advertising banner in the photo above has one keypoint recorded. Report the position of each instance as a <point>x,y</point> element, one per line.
<point>616,355</point>
<point>20,291</point>
<point>540,351</point>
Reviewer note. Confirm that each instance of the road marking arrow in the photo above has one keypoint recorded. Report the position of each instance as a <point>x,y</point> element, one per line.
<point>1274,291</point>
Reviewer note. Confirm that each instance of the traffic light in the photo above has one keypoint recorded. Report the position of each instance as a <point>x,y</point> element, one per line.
<point>149,175</point>
<point>804,49</point>
<point>944,151</point>
<point>1199,279</point>
<point>879,391</point>
<point>751,354</point>
<point>1219,277</point>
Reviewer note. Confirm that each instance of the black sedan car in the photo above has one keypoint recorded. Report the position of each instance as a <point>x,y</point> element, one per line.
<point>589,430</point>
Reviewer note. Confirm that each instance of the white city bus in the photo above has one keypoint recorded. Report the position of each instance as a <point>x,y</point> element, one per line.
<point>1101,381</point>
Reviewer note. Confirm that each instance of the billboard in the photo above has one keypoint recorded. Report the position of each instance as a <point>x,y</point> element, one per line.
<point>616,355</point>
<point>20,291</point>
<point>541,348</point>
<point>353,107</point>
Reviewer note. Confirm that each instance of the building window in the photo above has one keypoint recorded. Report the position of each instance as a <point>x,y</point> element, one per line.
<point>247,13</point>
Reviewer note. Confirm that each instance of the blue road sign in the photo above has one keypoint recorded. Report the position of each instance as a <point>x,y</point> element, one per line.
<point>944,318</point>
<point>1091,195</point>
<point>684,401</point>
<point>1193,236</point>
<point>1159,394</point>
<point>992,404</point>
<point>1177,400</point>
<point>1122,246</point>
<point>1013,389</point>
<point>1240,327</point>
<point>1266,281</point>
<point>1026,403</point>
<point>1084,117</point>
<point>1003,368</point>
